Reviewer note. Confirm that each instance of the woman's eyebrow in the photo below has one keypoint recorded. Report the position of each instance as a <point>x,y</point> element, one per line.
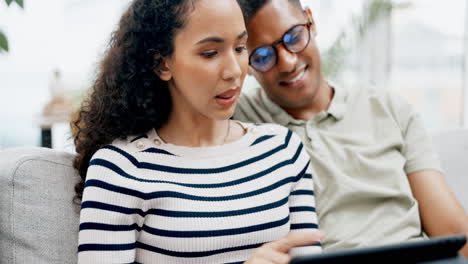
<point>243,34</point>
<point>211,39</point>
<point>218,39</point>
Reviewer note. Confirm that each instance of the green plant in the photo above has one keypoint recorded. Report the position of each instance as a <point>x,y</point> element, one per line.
<point>3,39</point>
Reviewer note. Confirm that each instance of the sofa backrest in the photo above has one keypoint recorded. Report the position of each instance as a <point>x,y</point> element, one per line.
<point>38,219</point>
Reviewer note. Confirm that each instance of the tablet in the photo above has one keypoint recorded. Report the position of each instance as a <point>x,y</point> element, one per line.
<point>407,252</point>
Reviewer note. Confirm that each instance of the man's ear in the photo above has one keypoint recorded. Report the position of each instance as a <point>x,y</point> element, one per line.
<point>310,18</point>
<point>161,68</point>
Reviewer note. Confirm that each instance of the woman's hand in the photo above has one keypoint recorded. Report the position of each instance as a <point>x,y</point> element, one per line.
<point>277,252</point>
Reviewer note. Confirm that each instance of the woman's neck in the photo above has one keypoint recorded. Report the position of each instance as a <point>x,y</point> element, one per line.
<point>187,129</point>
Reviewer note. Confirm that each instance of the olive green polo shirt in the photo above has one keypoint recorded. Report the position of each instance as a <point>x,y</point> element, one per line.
<point>361,149</point>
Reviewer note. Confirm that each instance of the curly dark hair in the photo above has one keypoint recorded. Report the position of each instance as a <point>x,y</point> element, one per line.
<point>251,7</point>
<point>128,97</point>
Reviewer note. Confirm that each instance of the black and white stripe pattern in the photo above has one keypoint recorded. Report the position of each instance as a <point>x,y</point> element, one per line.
<point>151,203</point>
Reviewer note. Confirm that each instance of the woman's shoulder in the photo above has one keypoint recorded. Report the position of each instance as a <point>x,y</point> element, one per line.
<point>262,129</point>
<point>273,135</point>
<point>126,146</point>
<point>119,158</point>
<point>269,129</point>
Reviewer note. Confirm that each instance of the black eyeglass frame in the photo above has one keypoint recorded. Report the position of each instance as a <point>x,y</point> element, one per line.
<point>281,41</point>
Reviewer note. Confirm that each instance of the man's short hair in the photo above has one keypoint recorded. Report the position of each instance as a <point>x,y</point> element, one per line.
<point>251,7</point>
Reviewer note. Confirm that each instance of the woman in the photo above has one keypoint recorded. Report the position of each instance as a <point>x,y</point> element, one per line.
<point>167,177</point>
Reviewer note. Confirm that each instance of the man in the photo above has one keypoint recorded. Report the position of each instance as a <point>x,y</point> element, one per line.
<point>377,177</point>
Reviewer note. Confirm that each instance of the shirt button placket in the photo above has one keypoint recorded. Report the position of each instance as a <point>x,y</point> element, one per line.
<point>312,134</point>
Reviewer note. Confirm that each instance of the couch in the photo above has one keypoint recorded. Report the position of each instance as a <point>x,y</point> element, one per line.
<point>39,221</point>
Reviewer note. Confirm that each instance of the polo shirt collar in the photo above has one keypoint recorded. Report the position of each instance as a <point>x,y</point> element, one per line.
<point>338,104</point>
<point>337,108</point>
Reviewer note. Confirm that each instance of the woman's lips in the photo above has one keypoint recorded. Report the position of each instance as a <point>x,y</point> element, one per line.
<point>227,98</point>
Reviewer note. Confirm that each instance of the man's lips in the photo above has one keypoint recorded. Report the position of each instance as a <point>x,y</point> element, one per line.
<point>294,78</point>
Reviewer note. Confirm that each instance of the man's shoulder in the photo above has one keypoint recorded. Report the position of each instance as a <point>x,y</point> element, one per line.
<point>251,96</point>
<point>385,97</point>
<point>381,104</point>
<point>251,107</point>
<point>382,93</point>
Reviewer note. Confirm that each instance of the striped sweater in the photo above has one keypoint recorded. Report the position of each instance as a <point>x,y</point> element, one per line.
<point>146,201</point>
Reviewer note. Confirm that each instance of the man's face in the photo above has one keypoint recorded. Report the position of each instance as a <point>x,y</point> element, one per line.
<point>296,77</point>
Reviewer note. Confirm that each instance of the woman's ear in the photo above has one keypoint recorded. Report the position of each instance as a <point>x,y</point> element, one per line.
<point>161,68</point>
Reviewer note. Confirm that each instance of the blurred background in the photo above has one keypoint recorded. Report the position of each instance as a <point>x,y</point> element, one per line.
<point>418,48</point>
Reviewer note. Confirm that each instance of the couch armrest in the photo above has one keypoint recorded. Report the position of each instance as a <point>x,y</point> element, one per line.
<point>38,219</point>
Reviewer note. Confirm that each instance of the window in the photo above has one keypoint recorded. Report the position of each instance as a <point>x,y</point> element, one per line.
<point>428,58</point>
<point>415,47</point>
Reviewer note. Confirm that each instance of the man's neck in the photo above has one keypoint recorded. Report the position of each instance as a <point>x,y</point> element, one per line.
<point>320,102</point>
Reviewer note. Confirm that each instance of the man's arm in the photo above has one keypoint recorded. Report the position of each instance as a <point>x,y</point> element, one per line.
<point>441,212</point>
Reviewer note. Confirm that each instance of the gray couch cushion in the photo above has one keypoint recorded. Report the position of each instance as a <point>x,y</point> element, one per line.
<point>452,147</point>
<point>38,219</point>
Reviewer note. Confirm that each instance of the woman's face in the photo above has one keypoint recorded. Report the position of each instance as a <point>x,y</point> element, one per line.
<point>209,63</point>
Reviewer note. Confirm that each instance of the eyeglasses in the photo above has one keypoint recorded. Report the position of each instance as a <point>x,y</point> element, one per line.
<point>294,40</point>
